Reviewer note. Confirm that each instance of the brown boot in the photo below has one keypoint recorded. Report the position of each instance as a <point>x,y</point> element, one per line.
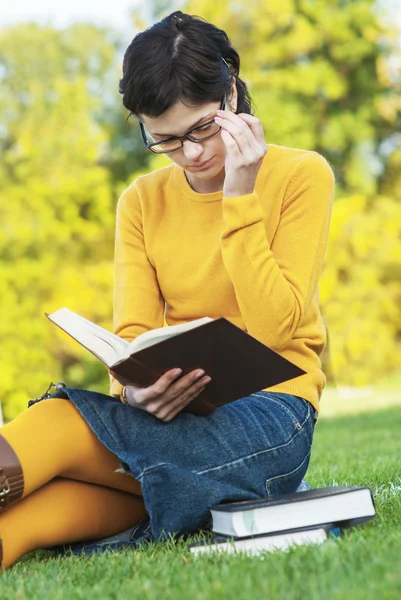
<point>11,476</point>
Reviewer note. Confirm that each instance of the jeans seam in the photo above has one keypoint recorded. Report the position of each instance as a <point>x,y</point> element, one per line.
<point>268,481</point>
<point>152,468</point>
<point>239,460</point>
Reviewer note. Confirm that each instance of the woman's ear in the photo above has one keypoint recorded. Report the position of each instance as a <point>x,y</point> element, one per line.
<point>233,98</point>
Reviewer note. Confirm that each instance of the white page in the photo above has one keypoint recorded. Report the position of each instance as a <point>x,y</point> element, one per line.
<point>105,345</point>
<point>149,338</point>
<point>256,545</point>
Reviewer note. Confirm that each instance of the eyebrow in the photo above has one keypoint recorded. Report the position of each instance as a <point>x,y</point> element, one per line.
<point>190,129</point>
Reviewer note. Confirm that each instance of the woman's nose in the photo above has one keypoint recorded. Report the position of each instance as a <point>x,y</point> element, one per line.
<point>192,150</point>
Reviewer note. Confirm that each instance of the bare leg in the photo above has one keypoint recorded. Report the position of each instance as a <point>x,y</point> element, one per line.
<point>64,511</point>
<point>51,439</point>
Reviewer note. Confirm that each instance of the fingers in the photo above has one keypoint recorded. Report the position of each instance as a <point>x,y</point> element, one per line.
<point>169,410</point>
<point>231,145</point>
<point>249,125</point>
<point>158,389</point>
<point>243,137</point>
<point>239,131</point>
<point>166,397</point>
<point>255,126</point>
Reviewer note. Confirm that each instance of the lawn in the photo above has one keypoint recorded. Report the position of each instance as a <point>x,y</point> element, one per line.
<point>353,449</point>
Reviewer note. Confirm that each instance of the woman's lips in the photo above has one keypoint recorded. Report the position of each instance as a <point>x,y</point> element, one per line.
<point>202,164</point>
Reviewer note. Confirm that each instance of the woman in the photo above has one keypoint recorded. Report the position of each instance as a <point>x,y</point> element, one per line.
<point>232,227</point>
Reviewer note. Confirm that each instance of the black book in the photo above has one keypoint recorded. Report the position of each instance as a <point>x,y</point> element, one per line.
<point>238,363</point>
<point>345,506</point>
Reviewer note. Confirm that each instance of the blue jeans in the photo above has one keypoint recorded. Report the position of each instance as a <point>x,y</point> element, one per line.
<point>255,447</point>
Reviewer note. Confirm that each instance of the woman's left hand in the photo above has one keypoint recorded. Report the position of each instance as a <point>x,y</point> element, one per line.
<point>244,139</point>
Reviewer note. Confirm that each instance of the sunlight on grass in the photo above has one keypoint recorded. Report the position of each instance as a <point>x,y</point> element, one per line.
<point>344,400</point>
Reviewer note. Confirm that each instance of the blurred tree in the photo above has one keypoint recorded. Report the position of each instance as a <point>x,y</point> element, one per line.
<point>361,289</point>
<point>63,165</point>
<point>32,55</point>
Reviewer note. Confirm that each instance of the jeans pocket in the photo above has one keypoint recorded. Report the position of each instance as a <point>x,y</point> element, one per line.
<point>297,410</point>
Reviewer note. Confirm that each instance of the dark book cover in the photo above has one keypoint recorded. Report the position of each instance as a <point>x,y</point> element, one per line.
<point>313,494</point>
<point>238,364</point>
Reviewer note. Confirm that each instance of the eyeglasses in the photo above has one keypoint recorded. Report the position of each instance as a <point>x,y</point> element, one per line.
<point>198,134</point>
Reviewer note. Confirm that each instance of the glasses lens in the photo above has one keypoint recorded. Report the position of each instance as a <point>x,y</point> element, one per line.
<point>200,133</point>
<point>166,147</point>
<point>204,132</point>
<point>159,147</point>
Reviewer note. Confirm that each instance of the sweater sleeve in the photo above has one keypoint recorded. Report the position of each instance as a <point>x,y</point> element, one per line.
<point>275,283</point>
<point>138,305</point>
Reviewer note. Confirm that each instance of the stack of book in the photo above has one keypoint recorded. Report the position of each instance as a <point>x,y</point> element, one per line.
<point>308,517</point>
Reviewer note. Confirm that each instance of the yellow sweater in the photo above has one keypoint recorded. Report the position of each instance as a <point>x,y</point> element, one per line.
<point>253,259</point>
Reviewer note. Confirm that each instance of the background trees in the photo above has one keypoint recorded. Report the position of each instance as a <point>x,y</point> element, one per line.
<point>323,75</point>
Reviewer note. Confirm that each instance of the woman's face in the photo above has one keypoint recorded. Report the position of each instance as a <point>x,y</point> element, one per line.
<point>202,161</point>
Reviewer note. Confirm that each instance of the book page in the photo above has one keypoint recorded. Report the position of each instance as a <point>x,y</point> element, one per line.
<point>150,338</point>
<point>109,348</point>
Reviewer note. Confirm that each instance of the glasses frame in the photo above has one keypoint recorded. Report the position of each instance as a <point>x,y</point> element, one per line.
<point>182,138</point>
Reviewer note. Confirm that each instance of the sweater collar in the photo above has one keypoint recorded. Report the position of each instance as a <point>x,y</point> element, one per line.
<point>186,189</point>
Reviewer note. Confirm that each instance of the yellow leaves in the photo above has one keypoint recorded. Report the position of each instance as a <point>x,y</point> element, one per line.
<point>87,290</point>
<point>310,78</point>
<point>328,283</point>
<point>158,161</point>
<point>361,290</point>
<point>56,204</point>
<point>363,242</point>
<point>58,126</point>
<point>371,33</point>
<point>383,70</point>
<point>363,349</point>
<point>344,210</point>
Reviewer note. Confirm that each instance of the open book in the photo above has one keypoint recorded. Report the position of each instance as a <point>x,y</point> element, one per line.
<point>109,348</point>
<point>238,363</point>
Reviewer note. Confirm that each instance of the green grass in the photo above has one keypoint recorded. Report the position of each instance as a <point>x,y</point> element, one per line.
<point>360,449</point>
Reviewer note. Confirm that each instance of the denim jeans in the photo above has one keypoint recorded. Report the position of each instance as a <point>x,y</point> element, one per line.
<point>256,447</point>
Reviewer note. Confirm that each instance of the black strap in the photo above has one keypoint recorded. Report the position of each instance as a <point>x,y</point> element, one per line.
<point>48,392</point>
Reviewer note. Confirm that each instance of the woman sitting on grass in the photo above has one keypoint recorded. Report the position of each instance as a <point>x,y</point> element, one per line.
<point>232,227</point>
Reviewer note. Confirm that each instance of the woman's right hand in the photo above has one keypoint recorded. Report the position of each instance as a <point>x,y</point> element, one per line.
<point>168,395</point>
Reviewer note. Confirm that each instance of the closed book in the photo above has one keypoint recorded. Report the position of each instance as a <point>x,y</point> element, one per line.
<point>237,363</point>
<point>346,506</point>
<point>265,543</point>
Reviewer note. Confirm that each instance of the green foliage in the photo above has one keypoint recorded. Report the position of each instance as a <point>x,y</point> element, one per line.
<point>56,202</point>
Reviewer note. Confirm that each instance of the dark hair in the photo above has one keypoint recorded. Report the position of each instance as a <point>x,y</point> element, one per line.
<point>180,58</point>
